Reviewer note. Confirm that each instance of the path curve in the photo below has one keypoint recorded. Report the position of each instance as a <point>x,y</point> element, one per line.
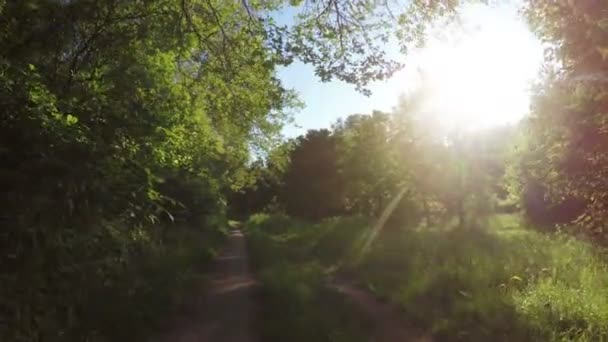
<point>223,311</point>
<point>390,326</point>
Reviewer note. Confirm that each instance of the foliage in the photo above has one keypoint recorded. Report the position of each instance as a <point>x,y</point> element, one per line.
<point>126,121</point>
<point>123,126</point>
<point>263,188</point>
<point>366,164</point>
<point>126,125</point>
<point>365,160</point>
<point>561,169</point>
<point>312,187</point>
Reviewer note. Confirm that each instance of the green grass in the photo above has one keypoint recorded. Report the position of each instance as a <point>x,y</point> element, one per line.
<point>290,258</point>
<point>501,282</point>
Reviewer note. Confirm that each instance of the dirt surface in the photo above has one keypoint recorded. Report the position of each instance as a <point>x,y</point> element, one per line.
<point>389,325</point>
<point>222,312</point>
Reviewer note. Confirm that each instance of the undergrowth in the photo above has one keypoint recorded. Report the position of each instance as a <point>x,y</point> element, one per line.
<point>290,258</point>
<point>501,282</point>
<point>123,296</point>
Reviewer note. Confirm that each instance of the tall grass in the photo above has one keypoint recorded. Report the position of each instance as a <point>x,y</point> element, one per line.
<point>290,258</point>
<point>501,282</point>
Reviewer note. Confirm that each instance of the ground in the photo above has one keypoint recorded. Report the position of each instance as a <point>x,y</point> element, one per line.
<point>389,326</point>
<point>223,311</point>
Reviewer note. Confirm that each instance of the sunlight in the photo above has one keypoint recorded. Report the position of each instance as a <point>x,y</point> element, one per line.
<point>478,75</point>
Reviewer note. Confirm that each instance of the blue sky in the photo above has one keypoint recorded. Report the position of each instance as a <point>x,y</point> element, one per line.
<point>326,102</point>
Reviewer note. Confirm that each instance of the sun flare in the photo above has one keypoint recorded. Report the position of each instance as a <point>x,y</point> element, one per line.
<point>478,74</point>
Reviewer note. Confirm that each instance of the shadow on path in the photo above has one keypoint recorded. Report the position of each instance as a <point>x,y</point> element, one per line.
<point>388,321</point>
<point>223,311</point>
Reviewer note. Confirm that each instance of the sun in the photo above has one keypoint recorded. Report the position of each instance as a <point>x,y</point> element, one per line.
<point>479,73</point>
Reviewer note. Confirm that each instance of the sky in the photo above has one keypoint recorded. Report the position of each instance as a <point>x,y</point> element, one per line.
<point>501,57</point>
<point>326,102</point>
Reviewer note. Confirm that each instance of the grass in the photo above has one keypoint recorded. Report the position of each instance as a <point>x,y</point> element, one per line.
<point>290,258</point>
<point>501,282</point>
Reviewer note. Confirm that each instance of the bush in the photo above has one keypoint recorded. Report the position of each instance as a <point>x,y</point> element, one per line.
<point>125,282</point>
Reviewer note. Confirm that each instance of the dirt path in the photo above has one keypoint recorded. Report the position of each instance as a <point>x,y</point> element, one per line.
<point>388,321</point>
<point>223,312</point>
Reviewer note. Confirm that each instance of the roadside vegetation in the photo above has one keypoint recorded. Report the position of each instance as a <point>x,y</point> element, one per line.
<point>500,283</point>
<point>291,259</point>
<point>504,283</point>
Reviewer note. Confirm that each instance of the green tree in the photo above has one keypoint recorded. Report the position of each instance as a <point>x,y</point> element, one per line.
<point>119,119</point>
<point>313,187</point>
<point>562,165</point>
<point>365,162</point>
<point>450,173</point>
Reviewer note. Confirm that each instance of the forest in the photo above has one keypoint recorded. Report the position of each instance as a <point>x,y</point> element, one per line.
<point>142,140</point>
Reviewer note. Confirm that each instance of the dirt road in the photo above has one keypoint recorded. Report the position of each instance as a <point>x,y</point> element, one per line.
<point>388,322</point>
<point>223,310</point>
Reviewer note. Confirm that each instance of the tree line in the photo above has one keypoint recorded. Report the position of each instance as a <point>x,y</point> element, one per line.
<point>550,165</point>
<point>364,161</point>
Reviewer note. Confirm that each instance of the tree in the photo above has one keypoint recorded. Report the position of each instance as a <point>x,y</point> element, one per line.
<point>365,162</point>
<point>564,162</point>
<point>313,187</point>
<point>119,119</point>
<point>450,173</point>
